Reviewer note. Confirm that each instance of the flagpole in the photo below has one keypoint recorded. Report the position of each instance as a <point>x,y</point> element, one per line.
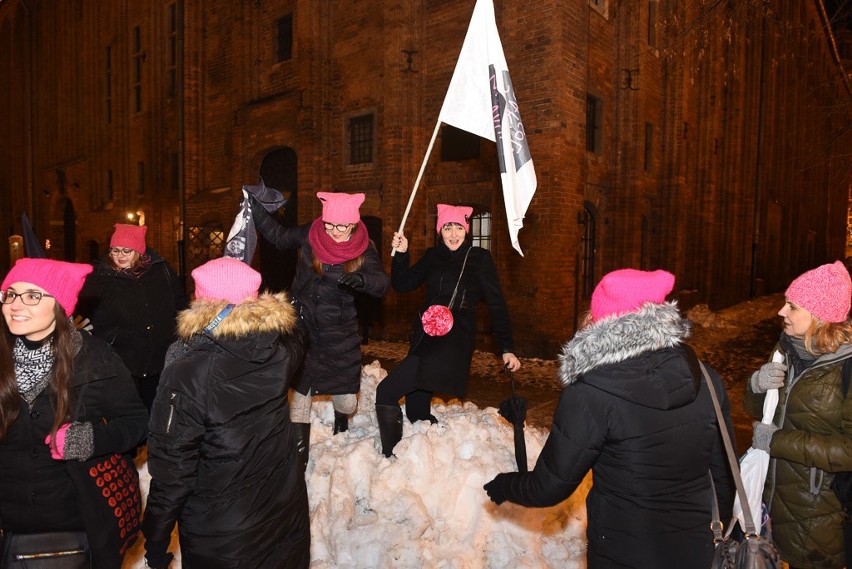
<point>417,181</point>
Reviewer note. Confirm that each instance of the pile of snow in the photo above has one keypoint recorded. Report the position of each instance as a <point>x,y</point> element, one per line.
<point>425,507</point>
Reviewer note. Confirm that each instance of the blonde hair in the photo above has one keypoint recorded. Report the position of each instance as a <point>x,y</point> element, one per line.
<point>827,337</point>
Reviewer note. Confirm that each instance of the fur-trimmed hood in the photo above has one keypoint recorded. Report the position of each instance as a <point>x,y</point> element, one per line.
<point>599,355</point>
<point>266,313</point>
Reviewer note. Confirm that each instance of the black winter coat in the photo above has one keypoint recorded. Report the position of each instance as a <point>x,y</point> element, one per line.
<point>444,361</point>
<point>333,362</point>
<point>135,315</point>
<point>36,494</point>
<point>634,414</point>
<point>221,451</point>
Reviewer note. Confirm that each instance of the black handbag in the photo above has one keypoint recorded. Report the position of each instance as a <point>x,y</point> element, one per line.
<point>49,550</point>
<point>752,551</point>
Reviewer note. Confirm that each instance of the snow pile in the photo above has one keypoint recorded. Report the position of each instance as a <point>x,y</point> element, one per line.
<point>425,507</point>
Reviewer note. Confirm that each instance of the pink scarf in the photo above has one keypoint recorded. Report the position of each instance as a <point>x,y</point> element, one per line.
<point>329,251</point>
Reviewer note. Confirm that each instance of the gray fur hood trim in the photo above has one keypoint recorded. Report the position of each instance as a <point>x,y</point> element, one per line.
<point>266,313</point>
<point>616,339</point>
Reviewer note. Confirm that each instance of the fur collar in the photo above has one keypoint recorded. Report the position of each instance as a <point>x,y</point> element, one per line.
<point>616,339</point>
<point>266,313</point>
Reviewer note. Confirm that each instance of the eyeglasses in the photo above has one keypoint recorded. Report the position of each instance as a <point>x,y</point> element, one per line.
<point>338,226</point>
<point>117,251</point>
<point>29,298</point>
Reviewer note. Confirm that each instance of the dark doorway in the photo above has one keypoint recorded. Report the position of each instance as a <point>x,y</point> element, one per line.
<point>278,170</point>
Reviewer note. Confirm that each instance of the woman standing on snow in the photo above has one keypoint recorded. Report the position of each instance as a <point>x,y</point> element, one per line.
<point>457,275</point>
<point>221,452</point>
<point>636,412</point>
<point>811,437</point>
<point>337,260</point>
<point>132,298</point>
<point>64,396</point>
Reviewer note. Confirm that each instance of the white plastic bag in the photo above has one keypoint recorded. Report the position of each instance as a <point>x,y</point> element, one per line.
<point>755,463</point>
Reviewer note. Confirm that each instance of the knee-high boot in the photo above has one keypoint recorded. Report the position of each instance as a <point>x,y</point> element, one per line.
<point>303,442</point>
<point>390,426</point>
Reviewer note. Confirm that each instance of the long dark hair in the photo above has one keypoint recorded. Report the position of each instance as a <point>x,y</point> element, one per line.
<point>63,345</point>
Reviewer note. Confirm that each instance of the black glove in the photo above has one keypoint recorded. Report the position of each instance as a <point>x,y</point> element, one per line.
<point>159,561</point>
<point>354,281</point>
<point>496,489</point>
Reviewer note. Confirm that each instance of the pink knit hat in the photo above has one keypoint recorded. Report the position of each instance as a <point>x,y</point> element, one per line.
<point>60,279</point>
<point>454,214</point>
<point>226,278</point>
<point>340,208</point>
<point>130,237</point>
<point>626,290</point>
<point>825,292</point>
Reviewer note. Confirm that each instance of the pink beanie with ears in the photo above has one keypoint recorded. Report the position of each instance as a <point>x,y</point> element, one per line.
<point>825,292</point>
<point>60,279</point>
<point>129,236</point>
<point>626,290</point>
<point>340,208</point>
<point>454,214</point>
<point>226,279</point>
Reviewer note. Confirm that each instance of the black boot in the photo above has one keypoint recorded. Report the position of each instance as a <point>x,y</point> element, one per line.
<point>390,427</point>
<point>341,422</point>
<point>303,442</point>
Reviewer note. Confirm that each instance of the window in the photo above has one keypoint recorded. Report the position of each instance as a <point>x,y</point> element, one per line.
<point>586,218</point>
<point>594,122</point>
<point>652,22</point>
<point>480,230</point>
<point>457,144</point>
<point>283,35</point>
<point>138,59</point>
<point>108,85</point>
<point>140,178</point>
<point>110,189</point>
<point>649,147</point>
<point>361,139</point>
<point>173,21</point>
<point>205,242</point>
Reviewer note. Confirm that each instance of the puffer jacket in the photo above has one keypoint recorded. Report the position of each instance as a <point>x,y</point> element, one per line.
<point>633,412</point>
<point>36,493</point>
<point>221,449</point>
<point>333,361</point>
<point>814,441</point>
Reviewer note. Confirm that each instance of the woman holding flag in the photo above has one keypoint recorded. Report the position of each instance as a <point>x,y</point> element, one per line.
<point>457,276</point>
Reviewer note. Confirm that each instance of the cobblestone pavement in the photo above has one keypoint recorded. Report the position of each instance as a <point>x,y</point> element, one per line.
<point>734,341</point>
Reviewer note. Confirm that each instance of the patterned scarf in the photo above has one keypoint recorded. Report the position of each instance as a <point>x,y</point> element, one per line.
<point>32,368</point>
<point>329,251</point>
<point>34,362</point>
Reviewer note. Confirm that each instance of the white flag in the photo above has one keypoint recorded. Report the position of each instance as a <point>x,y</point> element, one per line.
<point>481,100</point>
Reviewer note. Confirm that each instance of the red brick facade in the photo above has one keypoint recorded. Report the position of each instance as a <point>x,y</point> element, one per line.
<point>717,151</point>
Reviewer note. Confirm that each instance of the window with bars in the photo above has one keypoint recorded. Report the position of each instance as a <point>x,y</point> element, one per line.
<point>649,147</point>
<point>361,139</point>
<point>283,35</point>
<point>140,178</point>
<point>173,22</point>
<point>594,124</point>
<point>480,230</point>
<point>138,59</point>
<point>205,242</point>
<point>108,84</point>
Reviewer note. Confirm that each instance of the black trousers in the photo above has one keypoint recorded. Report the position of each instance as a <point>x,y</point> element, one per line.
<point>400,383</point>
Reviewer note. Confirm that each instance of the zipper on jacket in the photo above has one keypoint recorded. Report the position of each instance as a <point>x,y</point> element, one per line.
<point>171,411</point>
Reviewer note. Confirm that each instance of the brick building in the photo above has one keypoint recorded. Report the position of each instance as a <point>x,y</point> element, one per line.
<point>712,143</point>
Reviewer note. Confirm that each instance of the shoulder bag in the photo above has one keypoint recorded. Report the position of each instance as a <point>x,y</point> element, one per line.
<point>438,319</point>
<point>754,551</point>
<point>110,502</point>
